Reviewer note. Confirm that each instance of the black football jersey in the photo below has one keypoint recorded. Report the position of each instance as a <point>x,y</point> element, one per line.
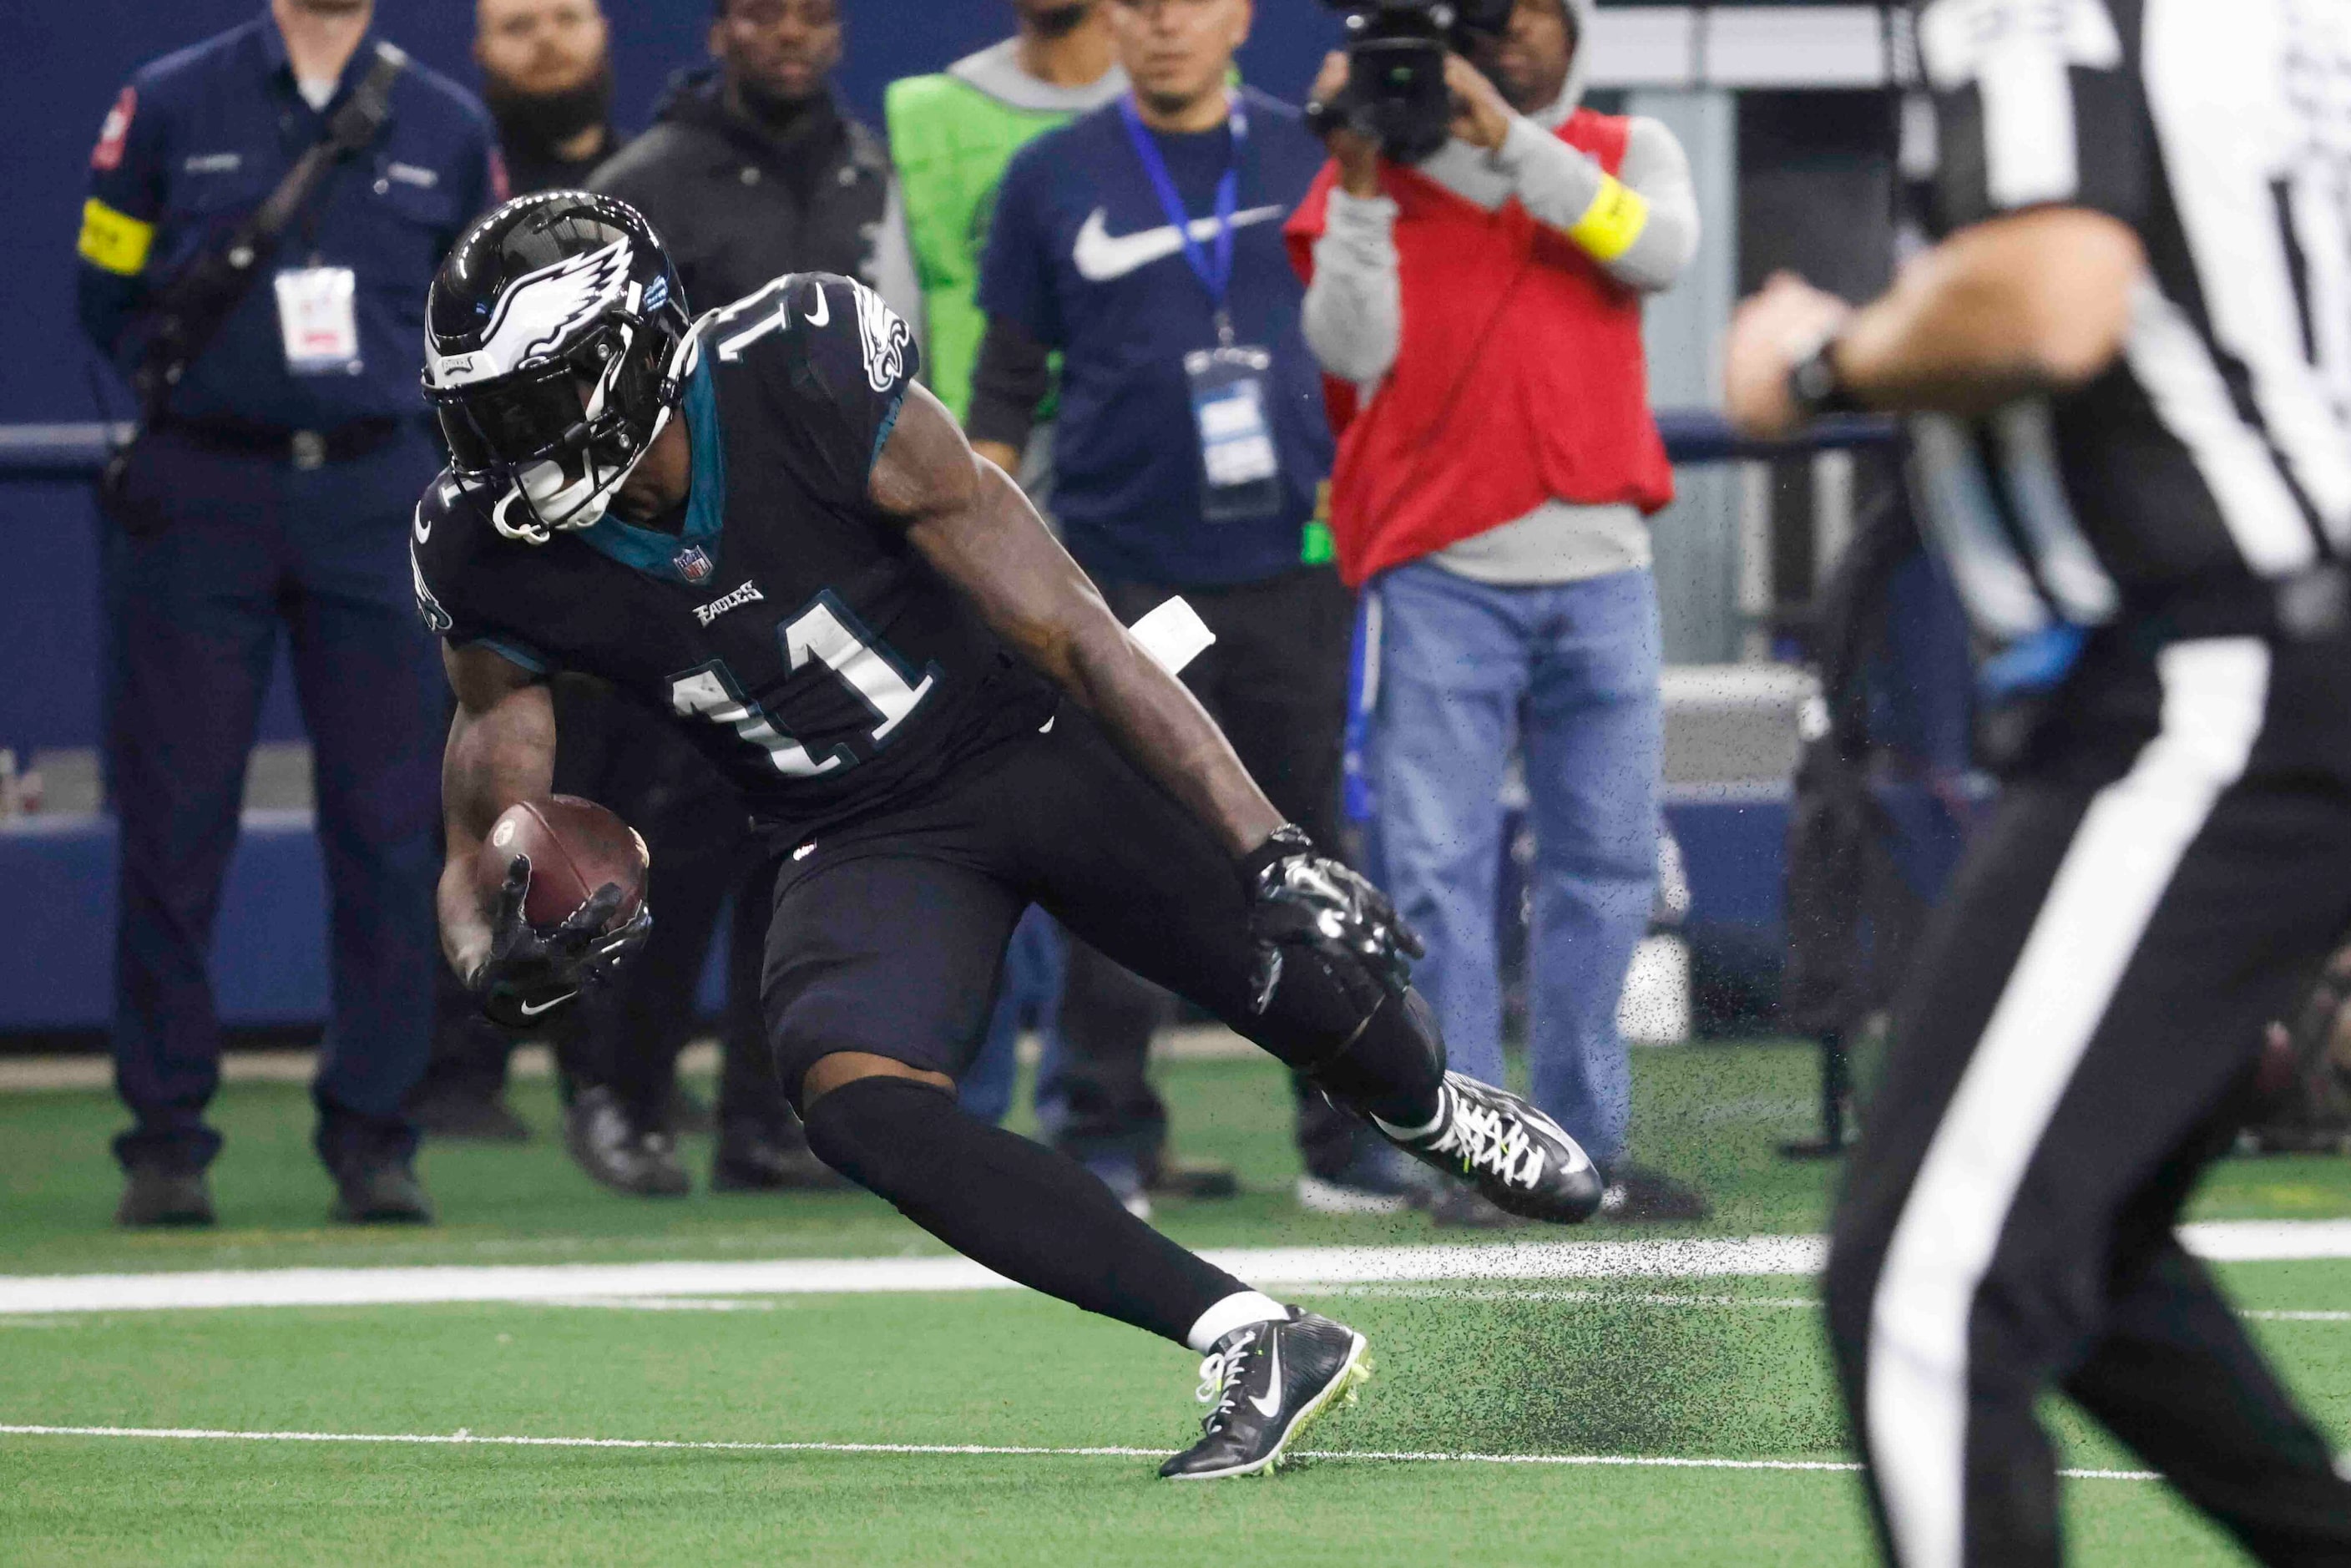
<point>787,626</point>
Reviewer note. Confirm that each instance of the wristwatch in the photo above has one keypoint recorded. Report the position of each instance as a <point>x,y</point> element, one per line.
<point>1815,384</point>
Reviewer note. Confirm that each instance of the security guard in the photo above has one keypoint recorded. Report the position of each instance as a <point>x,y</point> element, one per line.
<point>272,490</point>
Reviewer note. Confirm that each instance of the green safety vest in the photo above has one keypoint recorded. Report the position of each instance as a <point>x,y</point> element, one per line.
<point>951,142</point>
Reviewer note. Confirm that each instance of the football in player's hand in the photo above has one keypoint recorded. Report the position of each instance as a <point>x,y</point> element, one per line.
<point>575,847</point>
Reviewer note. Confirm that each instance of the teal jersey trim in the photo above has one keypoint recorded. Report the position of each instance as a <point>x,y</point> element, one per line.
<point>513,653</point>
<point>889,423</point>
<point>651,552</point>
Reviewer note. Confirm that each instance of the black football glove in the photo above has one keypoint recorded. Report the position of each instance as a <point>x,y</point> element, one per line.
<point>1306,907</point>
<point>530,972</point>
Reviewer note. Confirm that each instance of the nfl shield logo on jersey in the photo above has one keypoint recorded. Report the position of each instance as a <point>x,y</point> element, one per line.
<point>692,564</point>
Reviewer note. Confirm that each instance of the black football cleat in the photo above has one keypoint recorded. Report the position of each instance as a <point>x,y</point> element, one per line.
<point>1518,1159</point>
<point>1263,1385</point>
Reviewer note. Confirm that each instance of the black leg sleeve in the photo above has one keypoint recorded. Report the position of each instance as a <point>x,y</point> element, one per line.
<point>1029,1213</point>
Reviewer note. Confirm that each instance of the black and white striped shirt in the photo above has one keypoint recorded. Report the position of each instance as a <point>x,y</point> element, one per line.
<point>2217,447</point>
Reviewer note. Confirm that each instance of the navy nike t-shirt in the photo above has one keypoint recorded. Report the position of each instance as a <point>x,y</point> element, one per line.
<point>1081,255</point>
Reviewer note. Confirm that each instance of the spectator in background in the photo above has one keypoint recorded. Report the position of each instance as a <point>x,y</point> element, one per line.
<point>1143,241</point>
<point>1498,458</point>
<point>546,76</point>
<point>270,493</point>
<point>750,169</point>
<point>951,135</point>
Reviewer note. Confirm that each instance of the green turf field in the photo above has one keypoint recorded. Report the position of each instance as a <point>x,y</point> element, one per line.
<point>1719,1369</point>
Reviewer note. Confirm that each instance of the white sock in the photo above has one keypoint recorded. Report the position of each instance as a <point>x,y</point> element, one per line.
<point>1237,1311</point>
<point>1414,1135</point>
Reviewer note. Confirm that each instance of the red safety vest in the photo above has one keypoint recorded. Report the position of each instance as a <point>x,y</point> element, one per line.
<point>1520,379</point>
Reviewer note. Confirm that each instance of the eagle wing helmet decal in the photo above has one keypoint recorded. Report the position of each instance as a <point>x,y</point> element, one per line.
<point>540,312</point>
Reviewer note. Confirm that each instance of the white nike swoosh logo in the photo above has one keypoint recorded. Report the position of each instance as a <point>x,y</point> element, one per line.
<point>424,525</point>
<point>1268,1403</point>
<point>529,1011</point>
<point>823,312</point>
<point>1047,728</point>
<point>1101,256</point>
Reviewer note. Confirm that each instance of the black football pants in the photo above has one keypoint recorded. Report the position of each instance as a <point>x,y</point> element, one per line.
<point>1276,681</point>
<point>2164,877</point>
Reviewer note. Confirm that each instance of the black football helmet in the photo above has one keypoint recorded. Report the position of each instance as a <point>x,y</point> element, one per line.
<point>556,344</point>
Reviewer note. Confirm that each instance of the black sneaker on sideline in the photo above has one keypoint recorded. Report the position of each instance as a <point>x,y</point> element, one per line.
<point>384,1193</point>
<point>1264,1384</point>
<point>152,1195</point>
<point>1519,1158</point>
<point>605,1141</point>
<point>756,1159</point>
<point>1636,1195</point>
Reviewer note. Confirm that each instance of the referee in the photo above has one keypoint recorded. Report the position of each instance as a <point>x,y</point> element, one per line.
<point>2129,358</point>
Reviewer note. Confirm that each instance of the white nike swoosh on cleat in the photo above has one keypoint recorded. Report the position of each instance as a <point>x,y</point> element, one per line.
<point>1101,256</point>
<point>1268,1403</point>
<point>529,1011</point>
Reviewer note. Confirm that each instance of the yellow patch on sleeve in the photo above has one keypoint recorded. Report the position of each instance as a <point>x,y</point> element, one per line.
<point>1613,222</point>
<point>115,241</point>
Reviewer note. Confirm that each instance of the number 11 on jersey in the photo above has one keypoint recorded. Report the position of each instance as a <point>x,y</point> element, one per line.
<point>825,632</point>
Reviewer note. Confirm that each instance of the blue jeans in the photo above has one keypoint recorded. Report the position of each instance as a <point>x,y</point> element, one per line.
<point>1569,675</point>
<point>1031,994</point>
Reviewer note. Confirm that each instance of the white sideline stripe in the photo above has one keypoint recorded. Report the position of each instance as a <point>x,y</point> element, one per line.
<point>1301,1265</point>
<point>1373,1456</point>
<point>665,1303</point>
<point>1717,1304</point>
<point>1301,1268</point>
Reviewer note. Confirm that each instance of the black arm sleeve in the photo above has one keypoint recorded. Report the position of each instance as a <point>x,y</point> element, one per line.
<point>1013,376</point>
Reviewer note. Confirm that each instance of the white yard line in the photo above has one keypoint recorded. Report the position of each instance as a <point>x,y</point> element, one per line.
<point>465,1438</point>
<point>1304,1268</point>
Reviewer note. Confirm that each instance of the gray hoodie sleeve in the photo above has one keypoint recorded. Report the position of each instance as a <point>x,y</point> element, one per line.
<point>1354,314</point>
<point>1557,184</point>
<point>892,260</point>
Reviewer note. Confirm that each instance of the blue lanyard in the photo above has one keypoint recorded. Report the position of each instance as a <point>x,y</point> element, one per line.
<point>1215,275</point>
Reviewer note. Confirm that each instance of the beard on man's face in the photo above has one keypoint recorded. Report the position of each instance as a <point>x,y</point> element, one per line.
<point>547,119</point>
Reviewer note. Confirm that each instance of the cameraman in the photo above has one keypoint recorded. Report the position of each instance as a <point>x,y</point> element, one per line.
<point>1479,315</point>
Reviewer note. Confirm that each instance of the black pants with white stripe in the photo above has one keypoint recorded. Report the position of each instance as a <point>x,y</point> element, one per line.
<point>2168,870</point>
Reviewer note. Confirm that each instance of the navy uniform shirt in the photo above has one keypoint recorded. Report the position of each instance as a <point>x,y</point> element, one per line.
<point>1081,257</point>
<point>197,141</point>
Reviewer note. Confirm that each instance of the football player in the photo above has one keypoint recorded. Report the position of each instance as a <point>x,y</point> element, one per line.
<point>759,525</point>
